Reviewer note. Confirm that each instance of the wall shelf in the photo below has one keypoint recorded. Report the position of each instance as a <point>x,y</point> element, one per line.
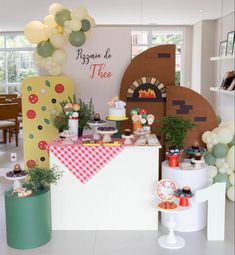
<point>217,58</point>
<point>226,92</point>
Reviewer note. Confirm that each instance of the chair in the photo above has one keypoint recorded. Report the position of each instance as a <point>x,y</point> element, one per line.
<point>9,111</point>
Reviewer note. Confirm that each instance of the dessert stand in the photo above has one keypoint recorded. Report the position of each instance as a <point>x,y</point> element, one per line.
<point>68,137</point>
<point>16,181</point>
<point>198,163</point>
<point>127,139</point>
<point>94,126</point>
<point>118,134</point>
<point>107,134</point>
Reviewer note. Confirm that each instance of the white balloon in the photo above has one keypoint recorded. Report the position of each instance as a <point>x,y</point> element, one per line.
<point>49,20</point>
<point>212,171</point>
<point>215,130</point>
<point>48,30</point>
<point>57,40</point>
<point>224,135</point>
<point>209,147</point>
<point>225,165</point>
<point>54,8</point>
<point>230,125</point>
<point>79,12</point>
<point>34,32</point>
<point>232,178</point>
<point>229,171</point>
<point>210,180</point>
<point>205,135</point>
<point>214,141</point>
<point>209,139</point>
<point>230,158</point>
<point>49,63</point>
<point>230,193</point>
<point>59,56</point>
<point>222,170</point>
<point>56,70</point>
<point>75,24</point>
<point>219,162</point>
<point>213,135</point>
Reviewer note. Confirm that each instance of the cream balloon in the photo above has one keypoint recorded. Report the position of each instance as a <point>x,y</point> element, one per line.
<point>229,124</point>
<point>224,135</point>
<point>54,8</point>
<point>56,70</point>
<point>229,171</point>
<point>222,170</point>
<point>230,158</point>
<point>232,178</point>
<point>34,32</point>
<point>49,20</point>
<point>209,147</point>
<point>219,162</point>
<point>91,20</point>
<point>75,24</point>
<point>48,30</point>
<point>57,40</point>
<point>214,141</point>
<point>79,12</point>
<point>49,63</point>
<point>212,171</point>
<point>230,193</point>
<point>205,136</point>
<point>59,56</point>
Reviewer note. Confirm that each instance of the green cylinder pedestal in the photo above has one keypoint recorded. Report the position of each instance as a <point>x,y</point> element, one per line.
<point>28,220</point>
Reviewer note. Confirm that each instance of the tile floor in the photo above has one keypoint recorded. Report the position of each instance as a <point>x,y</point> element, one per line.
<point>112,242</point>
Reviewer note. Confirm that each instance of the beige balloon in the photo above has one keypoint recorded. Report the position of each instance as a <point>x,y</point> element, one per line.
<point>230,158</point>
<point>49,20</point>
<point>54,8</point>
<point>75,24</point>
<point>230,193</point>
<point>56,70</point>
<point>57,40</point>
<point>59,56</point>
<point>79,12</point>
<point>34,32</point>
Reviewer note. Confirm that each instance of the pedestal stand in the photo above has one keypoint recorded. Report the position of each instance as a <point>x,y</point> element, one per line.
<point>107,135</point>
<point>94,126</point>
<point>118,121</point>
<point>16,181</point>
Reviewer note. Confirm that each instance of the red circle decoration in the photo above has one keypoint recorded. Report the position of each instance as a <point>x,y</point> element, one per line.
<point>33,98</point>
<point>31,114</point>
<point>42,145</point>
<point>31,164</point>
<point>59,88</point>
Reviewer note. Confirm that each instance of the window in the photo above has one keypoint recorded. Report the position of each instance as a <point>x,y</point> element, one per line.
<point>142,40</point>
<point>16,61</point>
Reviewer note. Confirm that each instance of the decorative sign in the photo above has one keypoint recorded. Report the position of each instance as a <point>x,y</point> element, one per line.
<point>96,62</point>
<point>165,189</point>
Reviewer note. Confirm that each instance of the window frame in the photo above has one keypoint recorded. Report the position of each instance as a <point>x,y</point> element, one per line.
<point>6,49</point>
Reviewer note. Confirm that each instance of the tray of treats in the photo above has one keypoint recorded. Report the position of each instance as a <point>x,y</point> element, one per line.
<point>112,143</point>
<point>106,130</point>
<point>167,205</point>
<point>91,143</point>
<point>21,193</point>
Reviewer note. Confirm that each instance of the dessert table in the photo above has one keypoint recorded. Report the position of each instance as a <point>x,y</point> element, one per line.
<point>104,188</point>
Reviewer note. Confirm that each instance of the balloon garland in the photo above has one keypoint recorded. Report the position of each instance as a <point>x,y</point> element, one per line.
<point>59,26</point>
<point>221,155</point>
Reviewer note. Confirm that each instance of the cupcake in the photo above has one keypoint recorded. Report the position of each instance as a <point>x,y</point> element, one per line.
<point>127,132</point>
<point>97,117</point>
<point>197,156</point>
<point>186,190</point>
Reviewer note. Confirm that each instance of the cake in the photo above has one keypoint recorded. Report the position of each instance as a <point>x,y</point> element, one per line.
<point>117,109</point>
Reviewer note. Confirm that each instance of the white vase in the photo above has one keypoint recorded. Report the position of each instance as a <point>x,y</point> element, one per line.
<point>73,126</point>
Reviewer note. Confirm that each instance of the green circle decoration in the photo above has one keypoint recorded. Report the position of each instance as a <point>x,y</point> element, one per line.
<point>45,49</point>
<point>47,121</point>
<point>29,88</point>
<point>31,136</point>
<point>209,159</point>
<point>43,108</point>
<point>61,16</point>
<point>220,150</point>
<point>77,38</point>
<point>86,25</point>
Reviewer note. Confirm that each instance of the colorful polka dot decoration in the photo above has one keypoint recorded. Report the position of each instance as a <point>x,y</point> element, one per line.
<point>41,97</point>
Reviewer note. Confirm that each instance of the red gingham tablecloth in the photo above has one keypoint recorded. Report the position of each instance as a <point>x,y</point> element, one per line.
<point>83,161</point>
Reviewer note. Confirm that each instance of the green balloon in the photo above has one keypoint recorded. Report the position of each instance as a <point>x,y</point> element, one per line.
<point>45,49</point>
<point>77,38</point>
<point>222,178</point>
<point>210,159</point>
<point>61,16</point>
<point>232,142</point>
<point>86,25</point>
<point>220,150</point>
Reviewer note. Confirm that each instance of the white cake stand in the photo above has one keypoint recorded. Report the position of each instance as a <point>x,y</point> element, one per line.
<point>94,125</point>
<point>198,163</point>
<point>127,139</point>
<point>107,134</point>
<point>68,138</point>
<point>16,181</point>
<point>172,241</point>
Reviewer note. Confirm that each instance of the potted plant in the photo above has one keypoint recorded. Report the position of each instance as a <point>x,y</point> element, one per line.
<point>175,130</point>
<point>60,121</point>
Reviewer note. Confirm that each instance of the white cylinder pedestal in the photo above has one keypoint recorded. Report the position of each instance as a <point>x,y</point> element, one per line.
<point>73,127</point>
<point>193,219</point>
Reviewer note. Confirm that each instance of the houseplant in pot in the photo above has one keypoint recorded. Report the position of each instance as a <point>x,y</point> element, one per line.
<point>175,129</point>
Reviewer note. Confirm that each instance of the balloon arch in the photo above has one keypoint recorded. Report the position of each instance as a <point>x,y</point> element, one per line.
<point>59,26</point>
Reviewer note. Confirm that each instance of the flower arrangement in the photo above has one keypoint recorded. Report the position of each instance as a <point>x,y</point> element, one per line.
<point>141,117</point>
<point>72,110</point>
